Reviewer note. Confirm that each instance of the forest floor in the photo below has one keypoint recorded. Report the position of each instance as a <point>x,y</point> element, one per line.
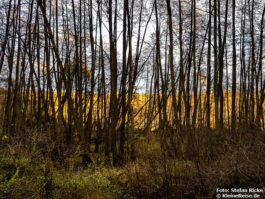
<point>219,160</point>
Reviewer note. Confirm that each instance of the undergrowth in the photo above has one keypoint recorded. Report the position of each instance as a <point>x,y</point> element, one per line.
<point>216,159</point>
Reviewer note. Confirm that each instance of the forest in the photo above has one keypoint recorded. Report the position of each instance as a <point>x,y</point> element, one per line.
<point>132,99</point>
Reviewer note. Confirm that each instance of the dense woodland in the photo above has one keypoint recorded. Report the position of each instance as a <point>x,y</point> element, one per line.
<point>131,98</point>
